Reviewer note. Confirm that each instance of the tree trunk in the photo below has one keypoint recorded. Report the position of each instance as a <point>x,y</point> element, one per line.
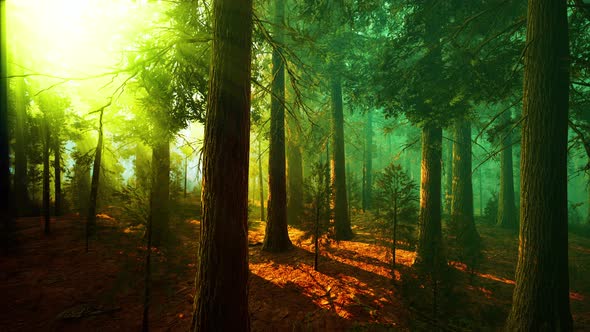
<point>429,254</point>
<point>185,174</point>
<point>541,295</point>
<point>276,237</point>
<point>20,153</point>
<point>261,181</point>
<point>57,176</point>
<point>294,176</point>
<point>506,209</point>
<point>159,207</point>
<point>368,164</point>
<point>46,196</point>
<point>448,163</point>
<point>338,166</point>
<point>6,206</point>
<point>462,202</point>
<point>91,217</point>
<point>221,299</point>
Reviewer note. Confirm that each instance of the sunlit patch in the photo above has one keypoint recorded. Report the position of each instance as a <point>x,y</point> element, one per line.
<point>194,222</point>
<point>486,292</point>
<point>463,267</point>
<point>106,217</point>
<point>577,296</point>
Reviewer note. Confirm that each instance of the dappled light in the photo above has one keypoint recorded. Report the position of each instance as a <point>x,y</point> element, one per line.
<point>285,165</point>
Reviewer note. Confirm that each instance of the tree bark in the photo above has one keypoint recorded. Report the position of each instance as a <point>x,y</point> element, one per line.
<point>294,175</point>
<point>506,209</point>
<point>20,153</point>
<point>462,202</point>
<point>448,197</point>
<point>276,237</point>
<point>368,164</point>
<point>541,295</point>
<point>57,176</point>
<point>429,253</point>
<point>261,181</point>
<point>6,206</point>
<point>221,299</point>
<point>338,166</point>
<point>159,207</point>
<point>46,194</point>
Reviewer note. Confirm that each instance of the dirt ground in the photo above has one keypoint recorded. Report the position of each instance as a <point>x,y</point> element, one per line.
<point>52,284</point>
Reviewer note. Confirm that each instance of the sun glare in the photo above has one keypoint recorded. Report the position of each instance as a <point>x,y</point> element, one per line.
<point>70,37</point>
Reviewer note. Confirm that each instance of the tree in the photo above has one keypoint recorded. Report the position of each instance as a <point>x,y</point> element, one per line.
<point>221,299</point>
<point>318,190</point>
<point>506,217</point>
<point>462,201</point>
<point>294,174</point>
<point>541,296</point>
<point>96,167</point>
<point>338,165</point>
<point>396,201</point>
<point>368,164</point>
<point>276,237</point>
<point>6,212</point>
<point>46,194</point>
<point>429,253</point>
<point>21,194</point>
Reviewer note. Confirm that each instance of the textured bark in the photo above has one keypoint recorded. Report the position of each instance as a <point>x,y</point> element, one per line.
<point>261,181</point>
<point>506,209</point>
<point>294,175</point>
<point>541,295</point>
<point>160,205</point>
<point>46,179</point>
<point>221,299</point>
<point>338,166</point>
<point>462,202</point>
<point>429,253</point>
<point>448,164</point>
<point>368,164</point>
<point>6,207</point>
<point>57,176</point>
<point>20,155</point>
<point>276,237</point>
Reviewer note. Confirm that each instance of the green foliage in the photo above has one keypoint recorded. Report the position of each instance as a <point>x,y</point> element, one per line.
<point>317,197</point>
<point>396,203</point>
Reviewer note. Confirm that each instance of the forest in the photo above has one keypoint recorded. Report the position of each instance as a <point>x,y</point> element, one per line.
<point>295,165</point>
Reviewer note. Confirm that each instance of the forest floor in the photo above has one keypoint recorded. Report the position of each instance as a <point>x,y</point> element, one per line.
<point>50,283</point>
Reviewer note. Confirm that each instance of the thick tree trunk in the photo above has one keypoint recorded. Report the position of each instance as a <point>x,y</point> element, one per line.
<point>368,164</point>
<point>221,299</point>
<point>429,253</point>
<point>294,176</point>
<point>57,177</point>
<point>6,206</point>
<point>20,154</point>
<point>159,207</point>
<point>462,202</point>
<point>46,179</point>
<point>506,209</point>
<point>541,295</point>
<point>276,237</point>
<point>338,166</point>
